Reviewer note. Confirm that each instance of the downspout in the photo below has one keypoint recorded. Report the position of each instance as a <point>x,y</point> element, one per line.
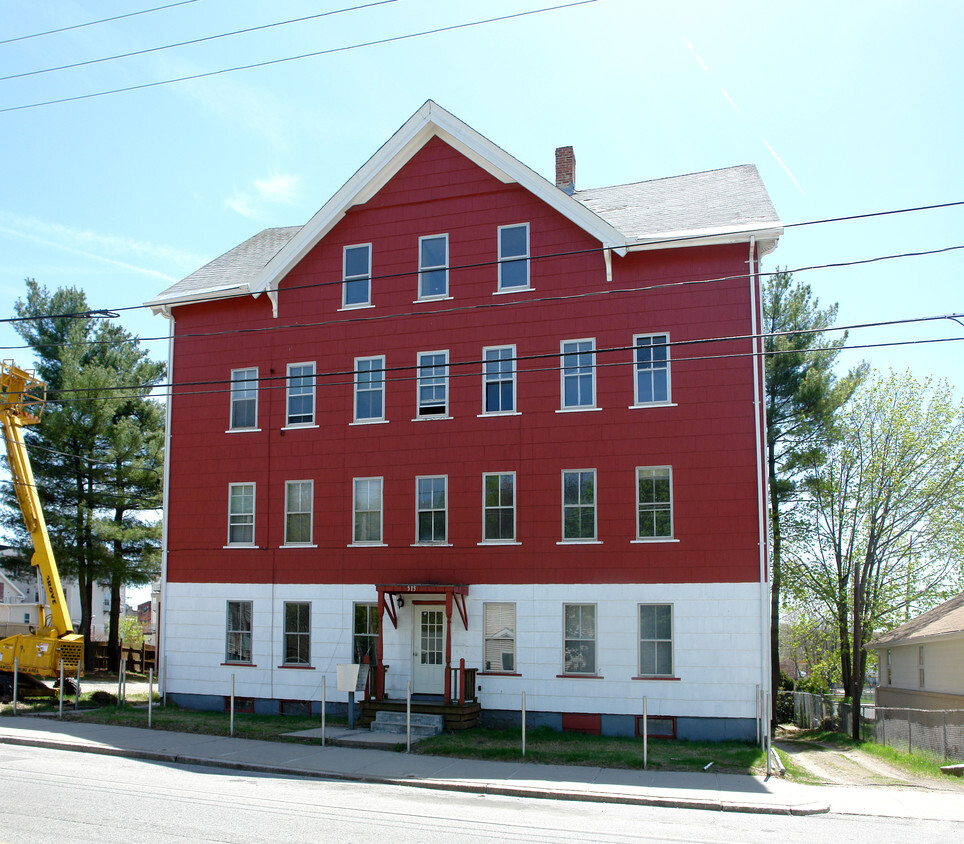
<point>760,422</point>
<point>161,651</point>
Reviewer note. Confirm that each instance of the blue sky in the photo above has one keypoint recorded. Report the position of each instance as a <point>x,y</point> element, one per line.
<point>846,108</point>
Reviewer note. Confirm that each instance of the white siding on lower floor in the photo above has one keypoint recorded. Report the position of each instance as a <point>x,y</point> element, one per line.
<point>718,641</point>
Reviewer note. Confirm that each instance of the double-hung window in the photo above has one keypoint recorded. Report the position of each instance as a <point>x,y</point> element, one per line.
<point>578,374</point>
<point>579,643</point>
<point>498,517</point>
<point>367,506</point>
<point>299,496</point>
<point>498,638</point>
<point>240,514</point>
<point>301,394</point>
<point>244,398</point>
<point>498,379</point>
<point>431,509</point>
<point>433,262</point>
<point>656,640</point>
<point>238,640</point>
<point>651,367</point>
<point>579,505</point>
<point>433,384</point>
<point>357,284</point>
<point>365,634</point>
<point>514,257</point>
<point>297,641</point>
<point>654,502</point>
<point>370,389</point>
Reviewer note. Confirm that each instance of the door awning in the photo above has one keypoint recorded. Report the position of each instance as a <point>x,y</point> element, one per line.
<point>389,593</point>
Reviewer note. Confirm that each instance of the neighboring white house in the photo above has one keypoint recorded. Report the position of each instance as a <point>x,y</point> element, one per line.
<point>921,663</point>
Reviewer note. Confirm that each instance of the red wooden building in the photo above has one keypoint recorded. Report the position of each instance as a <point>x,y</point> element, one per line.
<point>465,413</point>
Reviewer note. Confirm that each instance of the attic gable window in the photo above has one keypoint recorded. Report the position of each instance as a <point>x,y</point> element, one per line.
<point>514,257</point>
<point>357,287</point>
<point>433,260</point>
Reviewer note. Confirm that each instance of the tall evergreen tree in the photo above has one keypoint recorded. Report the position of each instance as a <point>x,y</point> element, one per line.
<point>97,454</point>
<point>803,393</point>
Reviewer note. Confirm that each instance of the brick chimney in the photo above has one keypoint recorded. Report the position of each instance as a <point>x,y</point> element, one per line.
<point>566,169</point>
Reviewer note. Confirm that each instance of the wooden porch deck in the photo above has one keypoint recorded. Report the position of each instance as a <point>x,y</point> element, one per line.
<point>455,716</point>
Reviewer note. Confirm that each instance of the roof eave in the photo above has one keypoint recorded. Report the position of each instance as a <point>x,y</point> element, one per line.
<point>210,294</point>
<point>765,236</point>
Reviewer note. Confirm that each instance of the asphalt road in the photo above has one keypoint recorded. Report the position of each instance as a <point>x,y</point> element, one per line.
<point>57,796</point>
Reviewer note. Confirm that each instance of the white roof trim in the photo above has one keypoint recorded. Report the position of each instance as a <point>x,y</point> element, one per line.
<point>12,586</point>
<point>429,121</point>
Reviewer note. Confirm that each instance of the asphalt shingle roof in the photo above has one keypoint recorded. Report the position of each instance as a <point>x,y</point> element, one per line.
<point>943,620</point>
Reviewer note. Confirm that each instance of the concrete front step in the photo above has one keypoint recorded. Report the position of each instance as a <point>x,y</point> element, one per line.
<point>394,722</point>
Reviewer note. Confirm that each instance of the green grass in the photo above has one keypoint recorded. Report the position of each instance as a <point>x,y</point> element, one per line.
<point>548,746</point>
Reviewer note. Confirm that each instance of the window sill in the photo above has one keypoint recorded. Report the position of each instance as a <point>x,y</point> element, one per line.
<point>499,413</point>
<point>240,664</point>
<point>655,539</point>
<point>499,542</point>
<point>577,409</point>
<point>431,418</point>
<point>644,405</point>
<point>299,426</point>
<point>502,291</point>
<point>366,545</point>
<point>659,678</point>
<point>234,547</point>
<point>298,545</point>
<point>431,545</point>
<point>580,542</point>
<point>497,674</point>
<point>580,677</point>
<point>422,299</point>
<point>368,422</point>
<point>242,431</point>
<point>297,667</point>
<point>358,307</point>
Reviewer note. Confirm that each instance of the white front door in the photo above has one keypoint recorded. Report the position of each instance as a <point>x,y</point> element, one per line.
<point>428,661</point>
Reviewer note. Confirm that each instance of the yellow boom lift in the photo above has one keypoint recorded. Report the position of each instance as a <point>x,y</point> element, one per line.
<point>38,653</point>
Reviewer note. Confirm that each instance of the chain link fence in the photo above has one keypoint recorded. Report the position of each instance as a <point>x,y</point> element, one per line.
<point>938,732</point>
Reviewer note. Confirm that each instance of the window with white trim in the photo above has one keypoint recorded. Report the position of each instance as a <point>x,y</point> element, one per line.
<point>240,514</point>
<point>357,275</point>
<point>244,398</point>
<point>579,505</point>
<point>238,640</point>
<point>301,394</point>
<point>498,507</point>
<point>514,257</point>
<point>578,374</point>
<point>365,634</point>
<point>433,261</point>
<point>433,384</point>
<point>498,379</point>
<point>297,633</point>
<point>299,498</point>
<point>431,509</point>
<point>656,640</point>
<point>370,389</point>
<point>579,644</point>
<point>367,505</point>
<point>654,502</point>
<point>920,666</point>
<point>498,625</point>
<point>651,368</point>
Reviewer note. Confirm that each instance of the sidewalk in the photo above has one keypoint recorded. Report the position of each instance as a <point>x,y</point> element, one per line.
<point>701,790</point>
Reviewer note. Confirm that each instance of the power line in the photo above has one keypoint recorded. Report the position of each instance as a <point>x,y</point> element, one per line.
<point>92,23</point>
<point>314,54</point>
<point>193,41</point>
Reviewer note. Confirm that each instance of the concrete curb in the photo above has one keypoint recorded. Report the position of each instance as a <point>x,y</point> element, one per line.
<point>485,788</point>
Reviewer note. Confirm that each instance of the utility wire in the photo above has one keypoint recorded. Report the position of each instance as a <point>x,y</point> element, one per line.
<point>268,63</point>
<point>92,23</point>
<point>194,41</point>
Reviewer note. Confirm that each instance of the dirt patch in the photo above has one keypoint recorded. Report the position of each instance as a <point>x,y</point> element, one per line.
<point>824,763</point>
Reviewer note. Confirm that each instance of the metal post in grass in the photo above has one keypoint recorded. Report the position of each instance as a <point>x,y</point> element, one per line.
<point>324,706</point>
<point>232,706</point>
<point>77,696</point>
<point>60,692</point>
<point>759,713</point>
<point>523,723</point>
<point>944,713</point>
<point>164,683</point>
<point>766,732</point>
<point>16,669</point>
<point>150,698</point>
<point>408,717</point>
<point>910,743</point>
<point>645,734</point>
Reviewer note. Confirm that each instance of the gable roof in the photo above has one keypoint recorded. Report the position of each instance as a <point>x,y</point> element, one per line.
<point>947,619</point>
<point>729,205</point>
